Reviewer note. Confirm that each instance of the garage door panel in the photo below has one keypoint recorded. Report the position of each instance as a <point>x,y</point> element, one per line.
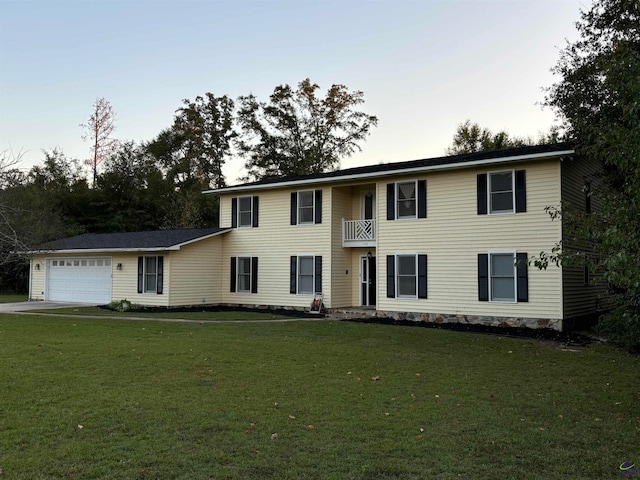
<point>79,280</point>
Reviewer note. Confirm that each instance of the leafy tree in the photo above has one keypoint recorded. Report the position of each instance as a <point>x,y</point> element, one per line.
<point>598,101</point>
<point>198,143</point>
<point>297,133</point>
<point>98,130</point>
<point>471,138</point>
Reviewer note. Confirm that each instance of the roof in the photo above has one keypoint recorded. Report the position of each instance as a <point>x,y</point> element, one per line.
<point>130,241</point>
<point>537,152</point>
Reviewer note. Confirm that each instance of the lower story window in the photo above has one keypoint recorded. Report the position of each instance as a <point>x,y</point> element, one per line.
<point>150,274</point>
<point>406,276</point>
<point>305,275</point>
<point>503,274</point>
<point>244,274</point>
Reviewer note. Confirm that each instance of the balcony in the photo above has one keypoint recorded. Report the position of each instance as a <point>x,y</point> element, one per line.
<point>358,233</point>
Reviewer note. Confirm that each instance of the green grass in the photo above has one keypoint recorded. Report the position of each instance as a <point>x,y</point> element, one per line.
<point>13,297</point>
<point>200,316</point>
<point>109,399</point>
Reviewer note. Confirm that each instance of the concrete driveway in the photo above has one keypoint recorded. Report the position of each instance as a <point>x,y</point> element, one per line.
<point>25,306</point>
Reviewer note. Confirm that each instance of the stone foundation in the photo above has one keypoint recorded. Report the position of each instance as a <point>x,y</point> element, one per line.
<point>437,318</point>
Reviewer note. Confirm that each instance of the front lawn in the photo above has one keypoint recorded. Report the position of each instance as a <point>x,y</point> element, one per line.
<point>112,399</point>
<point>13,297</point>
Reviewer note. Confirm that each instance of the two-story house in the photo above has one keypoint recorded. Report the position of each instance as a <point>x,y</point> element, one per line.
<point>442,240</point>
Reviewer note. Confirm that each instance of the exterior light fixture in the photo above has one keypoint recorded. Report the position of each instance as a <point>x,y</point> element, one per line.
<point>119,266</point>
<point>369,255</point>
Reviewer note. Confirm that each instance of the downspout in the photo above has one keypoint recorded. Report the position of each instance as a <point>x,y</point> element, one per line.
<point>30,274</point>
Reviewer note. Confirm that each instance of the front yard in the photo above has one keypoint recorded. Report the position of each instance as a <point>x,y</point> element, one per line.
<point>115,399</point>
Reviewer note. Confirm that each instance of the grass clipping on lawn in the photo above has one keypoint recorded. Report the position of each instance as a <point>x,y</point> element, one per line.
<point>113,399</point>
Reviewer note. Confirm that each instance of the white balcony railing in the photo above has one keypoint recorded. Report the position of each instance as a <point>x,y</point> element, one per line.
<point>358,233</point>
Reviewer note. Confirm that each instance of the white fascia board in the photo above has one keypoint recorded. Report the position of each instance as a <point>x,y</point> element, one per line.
<point>359,176</point>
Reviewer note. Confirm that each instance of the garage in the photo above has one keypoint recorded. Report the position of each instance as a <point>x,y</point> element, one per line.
<point>85,280</point>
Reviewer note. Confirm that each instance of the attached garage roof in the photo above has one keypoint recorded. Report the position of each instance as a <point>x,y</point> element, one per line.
<point>129,241</point>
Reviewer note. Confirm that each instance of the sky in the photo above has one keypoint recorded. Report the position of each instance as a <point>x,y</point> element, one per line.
<point>425,66</point>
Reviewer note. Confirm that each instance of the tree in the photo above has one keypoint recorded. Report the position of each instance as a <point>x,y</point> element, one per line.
<point>297,133</point>
<point>98,130</point>
<point>195,148</point>
<point>597,98</point>
<point>471,138</point>
<point>10,241</point>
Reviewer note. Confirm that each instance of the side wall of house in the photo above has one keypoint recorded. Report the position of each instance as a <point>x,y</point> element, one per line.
<point>342,272</point>
<point>453,234</point>
<point>38,277</point>
<point>273,242</point>
<point>583,293</point>
<point>196,273</point>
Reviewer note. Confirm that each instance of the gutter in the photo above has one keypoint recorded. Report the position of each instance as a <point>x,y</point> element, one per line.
<point>388,173</point>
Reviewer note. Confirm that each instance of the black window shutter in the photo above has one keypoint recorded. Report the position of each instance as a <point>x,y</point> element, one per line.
<point>254,220</point>
<point>391,201</point>
<point>422,199</point>
<point>234,212</point>
<point>140,274</point>
<point>232,276</point>
<point>483,277</point>
<point>391,276</point>
<point>523,277</point>
<point>482,194</point>
<point>293,275</point>
<point>422,276</point>
<point>521,190</point>
<point>254,274</point>
<point>160,275</point>
<point>318,274</point>
<point>294,208</point>
<point>318,206</point>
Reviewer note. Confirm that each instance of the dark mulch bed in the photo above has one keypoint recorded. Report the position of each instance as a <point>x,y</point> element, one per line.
<point>566,338</point>
<point>210,308</point>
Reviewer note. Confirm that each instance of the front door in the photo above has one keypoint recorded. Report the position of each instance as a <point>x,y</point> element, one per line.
<point>368,281</point>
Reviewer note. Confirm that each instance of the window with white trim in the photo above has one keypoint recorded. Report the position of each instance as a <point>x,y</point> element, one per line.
<point>406,199</point>
<point>406,276</point>
<point>245,211</point>
<point>306,207</point>
<point>150,274</point>
<point>305,275</point>
<point>244,275</point>
<point>502,272</point>
<point>501,192</point>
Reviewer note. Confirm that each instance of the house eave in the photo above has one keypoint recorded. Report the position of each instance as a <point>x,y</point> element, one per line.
<point>389,173</point>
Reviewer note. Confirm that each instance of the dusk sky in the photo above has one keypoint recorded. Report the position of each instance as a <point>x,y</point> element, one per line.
<point>424,66</point>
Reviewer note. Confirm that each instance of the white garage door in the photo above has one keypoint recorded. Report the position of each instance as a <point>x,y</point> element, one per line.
<point>86,280</point>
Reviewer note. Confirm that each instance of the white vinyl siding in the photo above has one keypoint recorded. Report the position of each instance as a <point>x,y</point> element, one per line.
<point>274,243</point>
<point>455,234</point>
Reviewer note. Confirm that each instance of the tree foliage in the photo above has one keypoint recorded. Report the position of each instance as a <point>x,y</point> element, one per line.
<point>598,101</point>
<point>298,133</point>
<point>98,130</point>
<point>471,138</point>
<point>194,149</point>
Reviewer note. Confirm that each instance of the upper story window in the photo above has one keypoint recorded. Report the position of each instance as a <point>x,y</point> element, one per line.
<point>306,207</point>
<point>407,200</point>
<point>406,204</point>
<point>502,192</point>
<point>244,212</point>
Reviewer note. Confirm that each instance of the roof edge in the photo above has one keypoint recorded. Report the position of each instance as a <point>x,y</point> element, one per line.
<point>387,173</point>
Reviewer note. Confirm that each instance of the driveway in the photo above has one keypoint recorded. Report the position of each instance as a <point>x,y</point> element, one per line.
<point>24,306</point>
